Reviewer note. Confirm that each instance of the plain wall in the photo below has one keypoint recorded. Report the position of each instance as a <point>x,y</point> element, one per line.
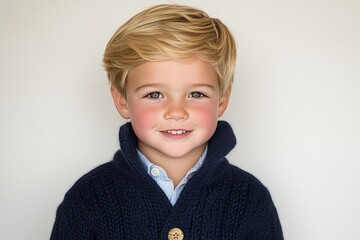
<point>295,106</point>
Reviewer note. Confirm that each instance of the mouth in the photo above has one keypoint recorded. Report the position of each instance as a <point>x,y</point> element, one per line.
<point>176,133</point>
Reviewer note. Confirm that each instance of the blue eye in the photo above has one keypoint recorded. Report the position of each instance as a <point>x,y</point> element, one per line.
<point>196,95</point>
<point>154,95</point>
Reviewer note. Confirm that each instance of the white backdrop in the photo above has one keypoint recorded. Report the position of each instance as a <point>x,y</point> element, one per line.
<point>295,106</point>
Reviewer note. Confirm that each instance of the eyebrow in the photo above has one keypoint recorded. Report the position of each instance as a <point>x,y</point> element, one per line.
<point>146,86</point>
<point>203,85</point>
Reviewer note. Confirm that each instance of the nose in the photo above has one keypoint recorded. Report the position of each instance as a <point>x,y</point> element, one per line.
<point>176,110</point>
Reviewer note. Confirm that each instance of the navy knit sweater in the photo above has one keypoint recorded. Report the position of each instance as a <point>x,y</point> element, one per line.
<point>119,200</point>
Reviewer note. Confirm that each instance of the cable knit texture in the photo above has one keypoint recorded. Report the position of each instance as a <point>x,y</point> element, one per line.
<point>119,200</point>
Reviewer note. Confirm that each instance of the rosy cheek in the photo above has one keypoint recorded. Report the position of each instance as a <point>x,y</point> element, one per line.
<point>144,116</point>
<point>206,115</point>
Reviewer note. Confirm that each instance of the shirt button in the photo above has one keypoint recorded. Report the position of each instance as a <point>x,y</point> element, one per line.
<point>175,234</point>
<point>155,171</point>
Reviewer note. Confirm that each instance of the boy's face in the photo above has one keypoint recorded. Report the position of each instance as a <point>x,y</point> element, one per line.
<point>173,106</point>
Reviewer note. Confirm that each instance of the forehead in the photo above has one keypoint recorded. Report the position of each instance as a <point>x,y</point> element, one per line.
<point>189,71</point>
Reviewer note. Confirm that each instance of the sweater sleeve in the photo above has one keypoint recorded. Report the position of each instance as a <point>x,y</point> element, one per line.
<point>266,223</point>
<point>70,222</point>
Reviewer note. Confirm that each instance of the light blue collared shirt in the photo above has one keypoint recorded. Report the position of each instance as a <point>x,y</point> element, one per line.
<point>164,182</point>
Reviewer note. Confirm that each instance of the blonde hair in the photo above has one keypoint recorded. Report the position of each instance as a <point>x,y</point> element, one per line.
<point>170,31</point>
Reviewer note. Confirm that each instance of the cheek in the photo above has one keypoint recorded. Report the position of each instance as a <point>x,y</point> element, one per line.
<point>206,115</point>
<point>143,116</point>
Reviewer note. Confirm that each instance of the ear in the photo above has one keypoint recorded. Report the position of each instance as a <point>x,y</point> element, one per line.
<point>120,103</point>
<point>223,103</point>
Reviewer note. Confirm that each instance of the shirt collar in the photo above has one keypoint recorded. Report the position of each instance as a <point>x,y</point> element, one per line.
<point>147,164</point>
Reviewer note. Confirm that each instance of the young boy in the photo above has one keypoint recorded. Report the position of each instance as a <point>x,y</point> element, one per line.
<point>171,68</point>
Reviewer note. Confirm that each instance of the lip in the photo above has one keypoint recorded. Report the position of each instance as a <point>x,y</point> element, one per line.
<point>176,133</point>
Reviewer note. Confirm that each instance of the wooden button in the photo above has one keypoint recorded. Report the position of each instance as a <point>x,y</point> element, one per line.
<point>175,234</point>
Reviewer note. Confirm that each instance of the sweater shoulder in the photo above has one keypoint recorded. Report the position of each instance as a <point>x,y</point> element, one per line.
<point>93,181</point>
<point>241,177</point>
<point>104,174</point>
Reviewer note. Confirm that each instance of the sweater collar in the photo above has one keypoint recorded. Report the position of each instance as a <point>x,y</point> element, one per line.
<point>219,145</point>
